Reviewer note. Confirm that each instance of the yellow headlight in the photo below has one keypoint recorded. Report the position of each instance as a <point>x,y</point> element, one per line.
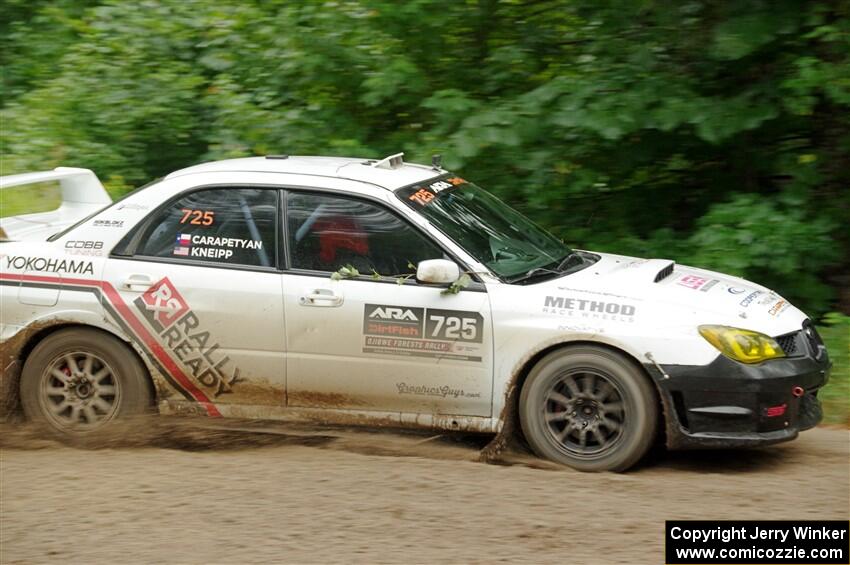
<point>742,345</point>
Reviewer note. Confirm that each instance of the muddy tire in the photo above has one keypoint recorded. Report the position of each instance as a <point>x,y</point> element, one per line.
<point>76,381</point>
<point>589,408</point>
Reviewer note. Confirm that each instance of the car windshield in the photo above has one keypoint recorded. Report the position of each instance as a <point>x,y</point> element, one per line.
<point>508,243</point>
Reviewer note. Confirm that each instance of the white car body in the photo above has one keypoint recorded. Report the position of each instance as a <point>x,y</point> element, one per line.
<point>277,344</point>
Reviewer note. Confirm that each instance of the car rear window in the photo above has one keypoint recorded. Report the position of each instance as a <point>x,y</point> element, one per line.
<point>231,226</point>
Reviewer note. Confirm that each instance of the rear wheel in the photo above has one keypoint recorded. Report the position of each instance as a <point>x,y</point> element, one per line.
<point>78,380</point>
<point>589,408</point>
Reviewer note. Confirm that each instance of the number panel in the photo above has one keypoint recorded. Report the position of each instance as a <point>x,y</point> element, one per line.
<point>454,325</point>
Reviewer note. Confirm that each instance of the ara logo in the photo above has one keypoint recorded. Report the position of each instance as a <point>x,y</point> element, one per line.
<point>393,313</point>
<point>387,320</point>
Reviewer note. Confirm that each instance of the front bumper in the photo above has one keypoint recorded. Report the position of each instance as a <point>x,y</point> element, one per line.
<point>731,404</point>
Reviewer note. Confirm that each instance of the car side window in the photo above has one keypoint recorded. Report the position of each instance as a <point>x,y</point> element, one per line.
<point>327,232</point>
<point>231,226</point>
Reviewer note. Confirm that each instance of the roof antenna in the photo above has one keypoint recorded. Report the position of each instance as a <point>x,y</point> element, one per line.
<point>436,161</point>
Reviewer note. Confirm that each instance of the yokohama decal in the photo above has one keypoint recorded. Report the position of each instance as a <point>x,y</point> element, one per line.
<point>124,315</point>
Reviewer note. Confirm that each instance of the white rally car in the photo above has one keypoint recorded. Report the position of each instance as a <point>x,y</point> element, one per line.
<point>383,293</point>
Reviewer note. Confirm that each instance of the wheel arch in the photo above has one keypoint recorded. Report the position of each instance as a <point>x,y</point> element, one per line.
<point>510,411</point>
<point>529,364</point>
<point>22,344</point>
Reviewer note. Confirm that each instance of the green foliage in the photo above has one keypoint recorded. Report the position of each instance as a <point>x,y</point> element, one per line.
<point>33,198</point>
<point>716,134</point>
<point>347,272</point>
<point>461,283</point>
<point>836,394</point>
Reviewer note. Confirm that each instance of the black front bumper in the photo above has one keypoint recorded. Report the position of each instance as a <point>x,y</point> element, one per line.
<point>731,404</point>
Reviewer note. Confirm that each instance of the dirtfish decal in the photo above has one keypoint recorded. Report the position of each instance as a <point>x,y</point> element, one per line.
<point>400,321</point>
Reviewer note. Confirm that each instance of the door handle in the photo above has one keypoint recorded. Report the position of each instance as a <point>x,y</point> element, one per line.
<point>320,297</point>
<point>137,283</point>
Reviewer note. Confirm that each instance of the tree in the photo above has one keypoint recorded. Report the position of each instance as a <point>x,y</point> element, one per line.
<point>712,133</point>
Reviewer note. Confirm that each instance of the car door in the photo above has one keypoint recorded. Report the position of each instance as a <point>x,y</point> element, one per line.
<point>197,286</point>
<point>379,341</point>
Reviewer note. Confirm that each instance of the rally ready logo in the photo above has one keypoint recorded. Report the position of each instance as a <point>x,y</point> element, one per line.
<point>184,338</point>
<point>162,305</point>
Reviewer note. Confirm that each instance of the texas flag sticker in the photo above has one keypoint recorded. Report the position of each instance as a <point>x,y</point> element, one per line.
<point>184,239</point>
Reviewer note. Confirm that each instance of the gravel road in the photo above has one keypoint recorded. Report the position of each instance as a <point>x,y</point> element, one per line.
<point>181,495</point>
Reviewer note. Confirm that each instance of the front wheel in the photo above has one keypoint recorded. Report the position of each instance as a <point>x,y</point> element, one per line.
<point>78,380</point>
<point>589,408</point>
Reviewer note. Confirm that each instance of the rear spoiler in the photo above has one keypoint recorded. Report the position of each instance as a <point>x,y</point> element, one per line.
<point>82,195</point>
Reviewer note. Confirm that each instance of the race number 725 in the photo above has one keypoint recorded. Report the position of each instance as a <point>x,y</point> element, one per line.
<point>454,325</point>
<point>197,217</point>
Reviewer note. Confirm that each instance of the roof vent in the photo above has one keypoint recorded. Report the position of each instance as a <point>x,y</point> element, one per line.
<point>665,272</point>
<point>277,156</point>
<point>391,162</point>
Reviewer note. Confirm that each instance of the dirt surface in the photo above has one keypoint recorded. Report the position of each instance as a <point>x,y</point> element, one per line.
<point>171,492</point>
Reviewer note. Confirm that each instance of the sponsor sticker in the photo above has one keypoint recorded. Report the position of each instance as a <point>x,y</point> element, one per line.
<point>708,285</point>
<point>442,391</point>
<point>84,247</point>
<point>748,299</point>
<point>108,223</point>
<point>424,195</point>
<point>49,265</point>
<point>127,206</point>
<point>420,332</point>
<point>399,321</point>
<point>694,282</point>
<point>780,306</point>
<point>162,305</point>
<point>736,290</point>
<point>589,309</point>
<point>180,331</point>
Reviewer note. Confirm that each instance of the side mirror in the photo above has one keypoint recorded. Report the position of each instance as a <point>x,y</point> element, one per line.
<point>437,271</point>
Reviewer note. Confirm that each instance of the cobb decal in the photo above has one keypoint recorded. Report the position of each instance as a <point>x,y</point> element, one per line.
<point>179,330</point>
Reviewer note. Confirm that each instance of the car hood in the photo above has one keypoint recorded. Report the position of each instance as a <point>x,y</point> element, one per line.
<point>678,294</point>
